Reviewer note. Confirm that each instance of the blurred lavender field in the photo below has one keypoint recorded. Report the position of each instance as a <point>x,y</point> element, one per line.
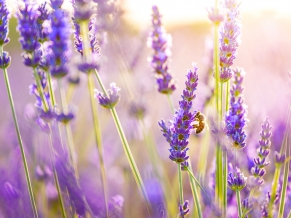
<point>264,54</point>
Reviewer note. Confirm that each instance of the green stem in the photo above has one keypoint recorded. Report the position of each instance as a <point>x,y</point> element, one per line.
<point>94,109</point>
<point>227,95</point>
<point>194,190</point>
<point>171,103</point>
<point>27,176</point>
<point>180,184</point>
<point>130,158</point>
<point>40,89</point>
<point>286,167</point>
<point>161,175</point>
<point>274,188</point>
<point>225,173</point>
<point>239,204</point>
<point>70,141</point>
<point>98,139</point>
<point>52,159</point>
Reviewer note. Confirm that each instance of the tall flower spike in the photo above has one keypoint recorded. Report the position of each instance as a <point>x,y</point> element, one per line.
<point>230,31</point>
<point>60,48</point>
<point>177,135</point>
<point>4,17</point>
<point>263,152</point>
<point>28,30</point>
<point>160,41</point>
<point>44,15</point>
<point>236,118</point>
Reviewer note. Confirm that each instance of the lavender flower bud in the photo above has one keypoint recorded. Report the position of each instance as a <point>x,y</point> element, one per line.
<point>27,27</point>
<point>184,209</point>
<point>67,117</point>
<point>112,99</point>
<point>44,15</point>
<point>137,109</point>
<point>10,191</point>
<point>229,38</point>
<point>236,118</point>
<point>159,40</point>
<point>56,4</point>
<point>83,10</point>
<point>4,17</point>
<point>215,16</point>
<point>236,181</point>
<point>279,159</point>
<point>43,172</point>
<point>90,64</point>
<point>59,36</point>
<point>5,60</point>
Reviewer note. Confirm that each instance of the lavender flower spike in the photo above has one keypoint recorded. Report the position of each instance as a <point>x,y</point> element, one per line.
<point>230,31</point>
<point>4,16</point>
<point>177,135</point>
<point>263,152</point>
<point>236,181</point>
<point>236,118</point>
<point>160,41</point>
<point>59,35</point>
<point>112,99</point>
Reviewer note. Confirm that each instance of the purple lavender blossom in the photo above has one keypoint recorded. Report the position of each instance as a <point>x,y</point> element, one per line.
<point>230,31</point>
<point>236,181</point>
<point>83,10</point>
<point>5,60</point>
<point>263,151</point>
<point>43,15</point>
<point>236,117</point>
<point>112,99</point>
<point>279,159</point>
<point>184,209</point>
<point>177,135</point>
<point>56,4</point>
<point>28,30</point>
<point>160,41</point>
<point>59,36</point>
<point>4,17</point>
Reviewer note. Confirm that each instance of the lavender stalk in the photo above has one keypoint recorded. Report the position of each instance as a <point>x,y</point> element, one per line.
<point>4,64</point>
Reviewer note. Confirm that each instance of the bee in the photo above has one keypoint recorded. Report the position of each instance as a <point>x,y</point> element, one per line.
<point>199,122</point>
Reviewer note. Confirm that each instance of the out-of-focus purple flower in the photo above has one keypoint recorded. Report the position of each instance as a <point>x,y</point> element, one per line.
<point>112,99</point>
<point>177,135</point>
<point>236,118</point>
<point>43,15</point>
<point>279,159</point>
<point>5,60</point>
<point>137,109</point>
<point>56,4</point>
<point>83,10</point>
<point>230,31</point>
<point>43,172</point>
<point>65,117</point>
<point>236,181</point>
<point>215,16</point>
<point>263,152</point>
<point>160,41</point>
<point>246,206</point>
<point>28,29</point>
<point>74,79</point>
<point>10,191</point>
<point>59,36</point>
<point>184,209</point>
<point>91,63</point>
<point>4,18</point>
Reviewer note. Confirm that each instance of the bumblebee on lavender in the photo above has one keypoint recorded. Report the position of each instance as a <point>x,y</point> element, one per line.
<point>199,122</point>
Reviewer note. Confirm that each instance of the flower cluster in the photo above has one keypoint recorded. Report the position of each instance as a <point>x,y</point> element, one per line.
<point>184,209</point>
<point>230,31</point>
<point>236,181</point>
<point>43,16</point>
<point>177,135</point>
<point>160,41</point>
<point>59,36</point>
<point>28,29</point>
<point>111,100</point>
<point>236,117</point>
<point>4,17</point>
<point>258,171</point>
